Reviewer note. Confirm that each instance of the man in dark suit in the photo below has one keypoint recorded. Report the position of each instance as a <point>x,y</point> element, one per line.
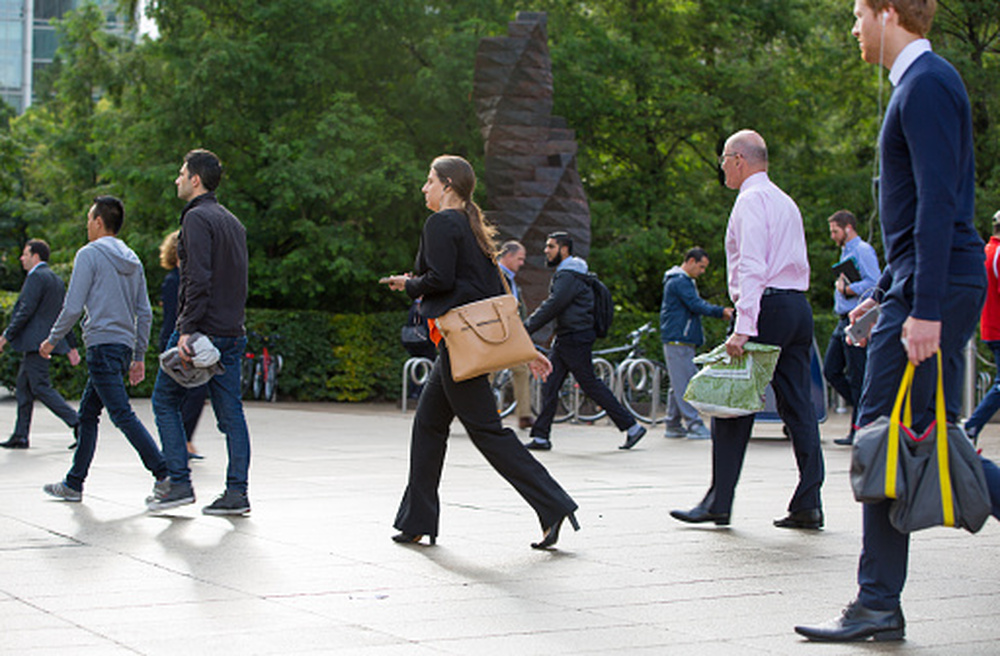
<point>934,282</point>
<point>37,307</point>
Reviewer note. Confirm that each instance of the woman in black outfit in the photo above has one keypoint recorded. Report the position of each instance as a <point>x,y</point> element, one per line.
<point>454,266</point>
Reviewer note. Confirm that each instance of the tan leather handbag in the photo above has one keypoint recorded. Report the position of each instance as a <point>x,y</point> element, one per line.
<point>485,336</point>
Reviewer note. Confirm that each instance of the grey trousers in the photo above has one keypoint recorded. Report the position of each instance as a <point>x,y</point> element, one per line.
<point>681,369</point>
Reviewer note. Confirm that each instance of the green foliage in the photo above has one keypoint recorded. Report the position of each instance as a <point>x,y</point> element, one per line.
<point>327,112</point>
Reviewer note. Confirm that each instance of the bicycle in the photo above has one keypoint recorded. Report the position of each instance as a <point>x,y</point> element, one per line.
<point>643,383</point>
<point>265,366</point>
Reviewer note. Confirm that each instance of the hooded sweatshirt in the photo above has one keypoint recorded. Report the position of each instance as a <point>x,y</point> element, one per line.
<point>108,287</point>
<point>681,309</point>
<point>570,301</point>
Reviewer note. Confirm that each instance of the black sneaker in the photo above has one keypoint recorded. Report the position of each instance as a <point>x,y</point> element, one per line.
<point>176,495</point>
<point>230,502</point>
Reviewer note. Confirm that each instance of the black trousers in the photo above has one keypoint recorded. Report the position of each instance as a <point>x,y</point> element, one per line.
<point>844,368</point>
<point>472,402</point>
<point>572,353</point>
<point>785,320</point>
<point>33,384</point>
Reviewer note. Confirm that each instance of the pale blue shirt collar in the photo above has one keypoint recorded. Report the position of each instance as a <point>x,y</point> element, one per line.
<point>906,57</point>
<point>36,266</point>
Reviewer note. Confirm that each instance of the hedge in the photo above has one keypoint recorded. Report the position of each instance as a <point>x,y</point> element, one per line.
<point>342,357</point>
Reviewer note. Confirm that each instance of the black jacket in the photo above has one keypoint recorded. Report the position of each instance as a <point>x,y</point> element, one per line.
<point>450,268</point>
<point>36,309</point>
<point>570,303</point>
<point>212,250</point>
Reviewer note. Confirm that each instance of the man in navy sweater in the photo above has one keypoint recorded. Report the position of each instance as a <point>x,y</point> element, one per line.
<point>933,285</point>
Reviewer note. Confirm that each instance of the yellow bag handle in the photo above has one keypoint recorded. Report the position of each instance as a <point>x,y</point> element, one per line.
<point>903,406</point>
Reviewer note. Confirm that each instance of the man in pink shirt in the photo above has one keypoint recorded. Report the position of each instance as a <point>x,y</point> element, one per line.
<point>768,271</point>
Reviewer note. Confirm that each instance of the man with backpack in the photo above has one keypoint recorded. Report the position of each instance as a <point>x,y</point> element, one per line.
<point>572,305</point>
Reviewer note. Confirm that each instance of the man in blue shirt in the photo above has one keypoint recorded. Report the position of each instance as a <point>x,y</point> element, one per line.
<point>681,333</point>
<point>844,366</point>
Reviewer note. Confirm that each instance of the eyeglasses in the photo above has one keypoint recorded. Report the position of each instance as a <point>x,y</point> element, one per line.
<point>722,158</point>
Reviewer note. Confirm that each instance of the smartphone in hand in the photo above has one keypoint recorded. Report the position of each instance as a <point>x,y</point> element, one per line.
<point>862,327</point>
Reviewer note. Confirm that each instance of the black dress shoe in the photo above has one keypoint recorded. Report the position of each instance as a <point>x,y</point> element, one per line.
<point>844,441</point>
<point>15,443</point>
<point>412,538</point>
<point>632,440</point>
<point>811,519</point>
<point>858,623</point>
<point>700,515</point>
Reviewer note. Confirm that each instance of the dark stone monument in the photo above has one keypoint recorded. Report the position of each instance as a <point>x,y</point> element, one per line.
<point>532,185</point>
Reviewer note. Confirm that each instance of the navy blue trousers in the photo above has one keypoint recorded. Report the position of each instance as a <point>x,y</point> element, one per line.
<point>785,320</point>
<point>883,564</point>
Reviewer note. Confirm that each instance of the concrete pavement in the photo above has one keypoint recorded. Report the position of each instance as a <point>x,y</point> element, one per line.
<point>312,569</point>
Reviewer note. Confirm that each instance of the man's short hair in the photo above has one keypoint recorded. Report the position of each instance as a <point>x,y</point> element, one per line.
<point>512,246</point>
<point>844,218</point>
<point>206,165</point>
<point>40,248</point>
<point>697,254</point>
<point>563,239</point>
<point>915,16</point>
<point>111,211</point>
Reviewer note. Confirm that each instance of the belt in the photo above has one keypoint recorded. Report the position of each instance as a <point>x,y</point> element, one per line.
<point>775,291</point>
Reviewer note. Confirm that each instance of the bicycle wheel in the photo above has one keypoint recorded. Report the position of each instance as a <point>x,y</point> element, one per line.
<point>588,410</point>
<point>564,403</point>
<point>271,382</point>
<point>502,384</point>
<point>246,375</point>
<point>644,390</point>
<point>258,380</point>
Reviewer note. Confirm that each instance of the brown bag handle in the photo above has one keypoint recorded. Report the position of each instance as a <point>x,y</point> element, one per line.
<point>500,318</point>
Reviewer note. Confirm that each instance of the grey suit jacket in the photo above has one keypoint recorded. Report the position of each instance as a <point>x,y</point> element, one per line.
<point>38,305</point>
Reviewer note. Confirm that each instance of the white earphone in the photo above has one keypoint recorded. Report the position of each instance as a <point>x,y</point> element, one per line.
<point>885,17</point>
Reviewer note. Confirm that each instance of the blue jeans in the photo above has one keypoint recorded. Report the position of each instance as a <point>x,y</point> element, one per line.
<point>990,403</point>
<point>224,391</point>
<point>108,364</point>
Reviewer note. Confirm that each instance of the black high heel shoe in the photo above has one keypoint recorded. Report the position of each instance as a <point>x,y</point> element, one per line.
<point>551,535</point>
<point>410,538</point>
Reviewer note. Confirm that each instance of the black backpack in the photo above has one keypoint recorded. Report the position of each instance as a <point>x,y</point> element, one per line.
<point>604,306</point>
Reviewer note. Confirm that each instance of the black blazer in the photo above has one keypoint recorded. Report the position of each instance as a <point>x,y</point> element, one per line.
<point>450,268</point>
<point>36,309</point>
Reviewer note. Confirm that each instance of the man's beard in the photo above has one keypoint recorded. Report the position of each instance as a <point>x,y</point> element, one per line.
<point>554,263</point>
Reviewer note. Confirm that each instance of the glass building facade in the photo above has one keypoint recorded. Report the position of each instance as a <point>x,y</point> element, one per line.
<point>28,42</point>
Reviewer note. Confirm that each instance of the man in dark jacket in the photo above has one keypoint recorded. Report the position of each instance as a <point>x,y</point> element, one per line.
<point>571,305</point>
<point>212,252</point>
<point>35,311</point>
<point>680,330</point>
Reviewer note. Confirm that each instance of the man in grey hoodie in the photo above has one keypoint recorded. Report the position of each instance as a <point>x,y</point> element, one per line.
<point>108,287</point>
<point>571,305</point>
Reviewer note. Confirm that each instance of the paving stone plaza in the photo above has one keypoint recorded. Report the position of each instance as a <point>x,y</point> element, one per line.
<point>312,569</point>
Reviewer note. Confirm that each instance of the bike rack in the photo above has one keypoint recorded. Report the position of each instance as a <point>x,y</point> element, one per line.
<point>416,370</point>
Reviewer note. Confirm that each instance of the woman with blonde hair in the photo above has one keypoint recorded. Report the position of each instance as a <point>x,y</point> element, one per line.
<point>455,265</point>
<point>194,400</point>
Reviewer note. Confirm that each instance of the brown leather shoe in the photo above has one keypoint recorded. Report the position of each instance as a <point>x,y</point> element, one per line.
<point>525,423</point>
